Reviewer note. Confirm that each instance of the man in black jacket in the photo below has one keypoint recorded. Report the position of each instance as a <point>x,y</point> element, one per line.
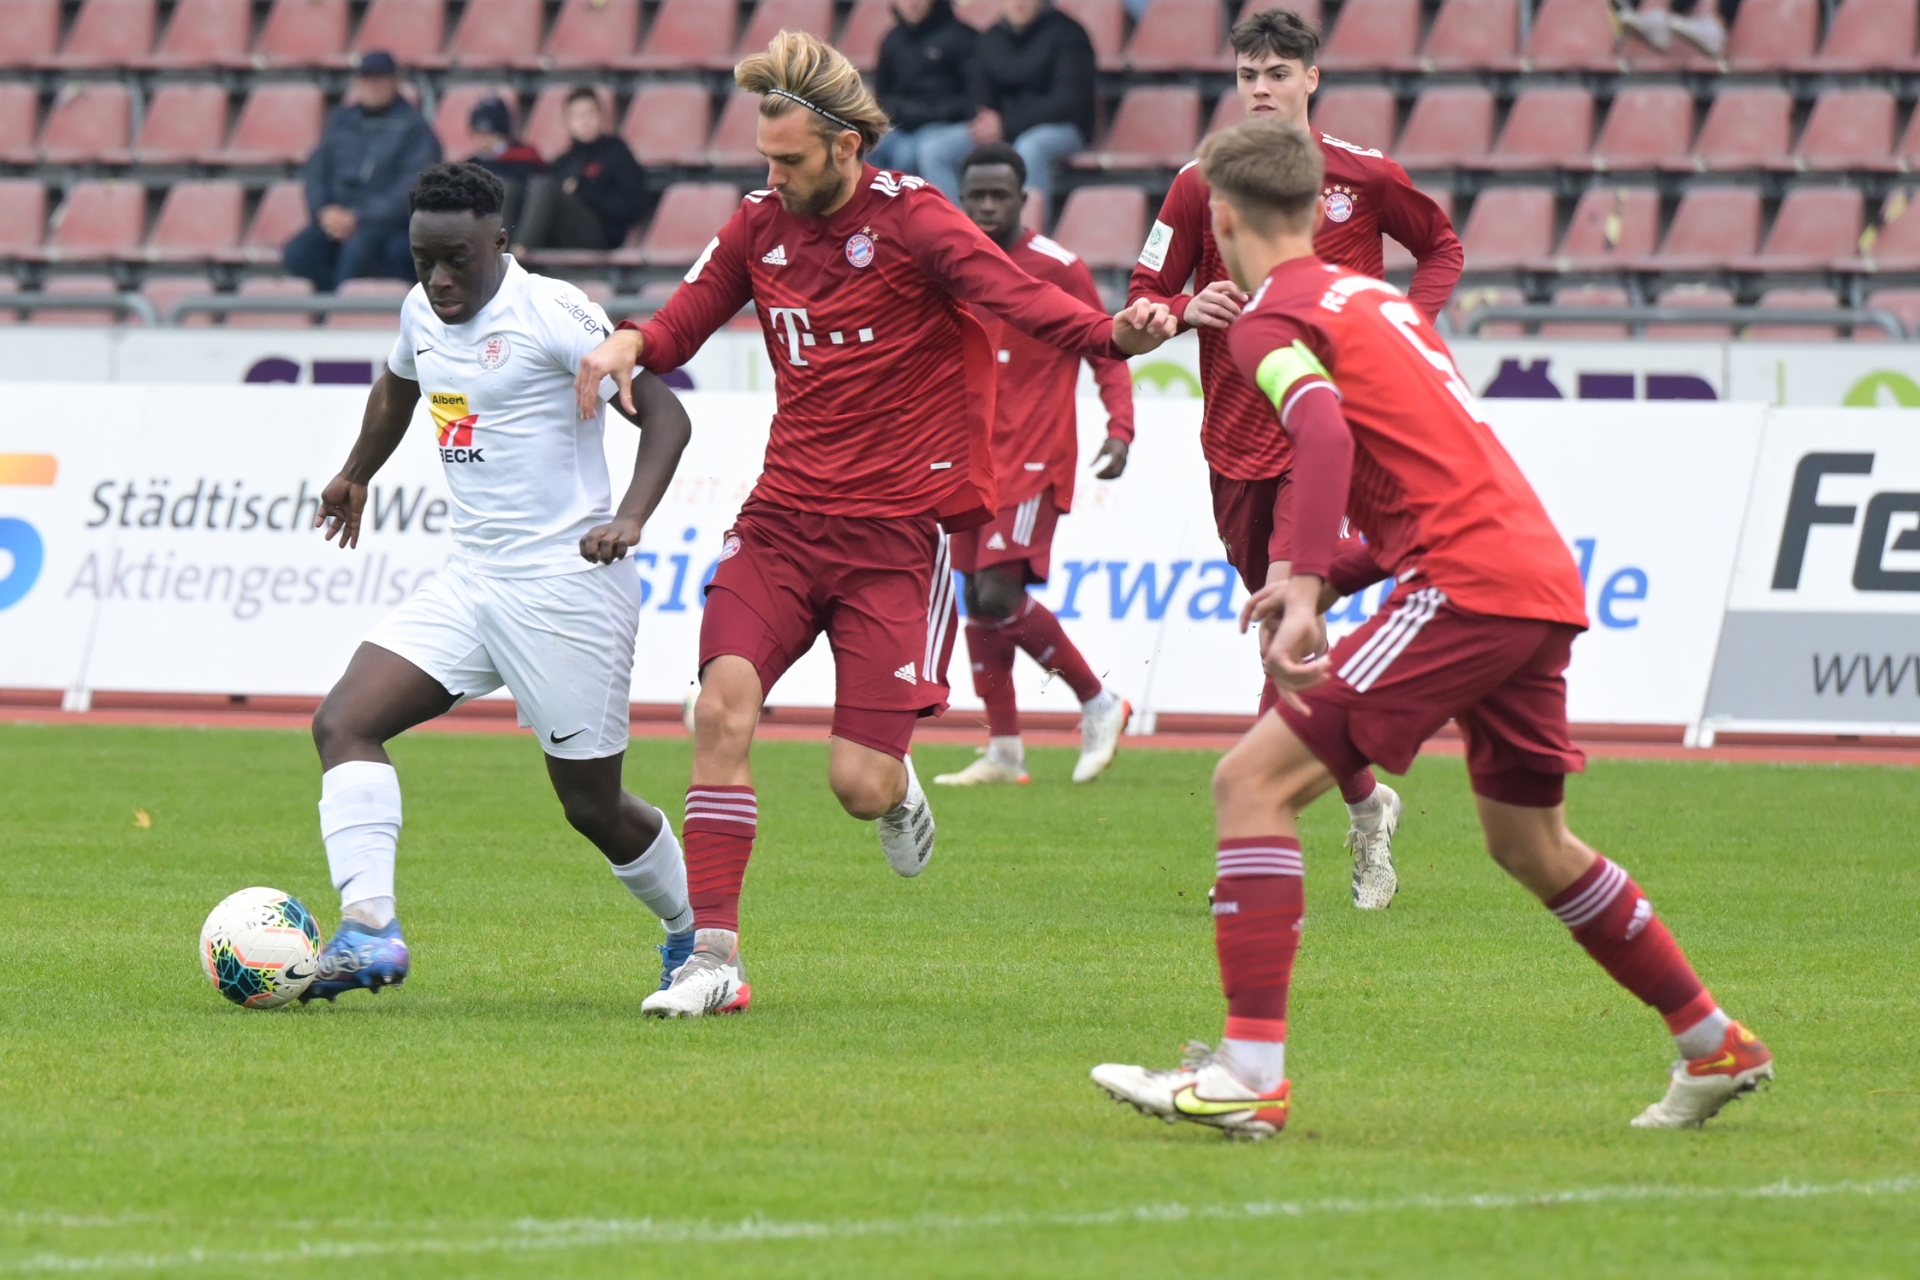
<point>1033,86</point>
<point>593,193</point>
<point>357,181</point>
<point>924,81</point>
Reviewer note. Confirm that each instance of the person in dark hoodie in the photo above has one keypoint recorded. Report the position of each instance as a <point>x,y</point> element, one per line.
<point>357,181</point>
<point>594,191</point>
<point>505,156</point>
<point>1033,87</point>
<point>924,82</point>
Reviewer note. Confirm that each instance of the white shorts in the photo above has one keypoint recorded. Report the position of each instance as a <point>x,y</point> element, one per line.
<point>563,646</point>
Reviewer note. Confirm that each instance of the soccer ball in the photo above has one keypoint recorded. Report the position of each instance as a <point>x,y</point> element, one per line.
<point>259,948</point>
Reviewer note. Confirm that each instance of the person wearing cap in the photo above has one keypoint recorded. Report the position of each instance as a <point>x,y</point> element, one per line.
<point>374,145</point>
<point>503,155</point>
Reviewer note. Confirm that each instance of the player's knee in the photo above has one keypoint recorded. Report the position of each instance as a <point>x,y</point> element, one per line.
<point>866,793</point>
<point>1235,777</point>
<point>993,595</point>
<point>718,717</point>
<point>593,816</point>
<point>332,728</point>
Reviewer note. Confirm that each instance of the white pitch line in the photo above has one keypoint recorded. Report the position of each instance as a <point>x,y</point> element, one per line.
<point>533,1235</point>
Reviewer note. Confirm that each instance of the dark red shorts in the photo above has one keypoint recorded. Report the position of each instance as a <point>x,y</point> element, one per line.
<point>881,590</point>
<point>1420,662</point>
<point>1243,514</point>
<point>1019,539</point>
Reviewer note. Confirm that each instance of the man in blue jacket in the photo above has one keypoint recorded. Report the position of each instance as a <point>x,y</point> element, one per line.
<point>357,181</point>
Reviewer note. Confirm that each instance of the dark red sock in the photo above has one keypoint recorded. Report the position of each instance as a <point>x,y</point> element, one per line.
<point>1258,902</point>
<point>718,839</point>
<point>991,651</point>
<point>1357,787</point>
<point>1612,919</point>
<point>1034,628</point>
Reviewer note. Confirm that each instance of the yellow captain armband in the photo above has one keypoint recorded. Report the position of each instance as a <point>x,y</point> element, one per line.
<point>1285,366</point>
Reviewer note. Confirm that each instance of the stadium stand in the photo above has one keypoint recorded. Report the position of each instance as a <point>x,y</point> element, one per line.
<point>88,121</point>
<point>303,33</point>
<point>1373,35</point>
<point>589,34</point>
<point>1848,129</point>
<point>667,124</point>
<point>95,223</point>
<point>770,16</point>
<point>282,211</point>
<point>198,221</point>
<point>1586,295</point>
<point>1448,127</point>
<point>106,33</point>
<point>1178,35</point>
<point>1570,35</point>
<point>1773,33</point>
<point>183,123</point>
<point>1360,114</point>
<point>495,33</point>
<point>546,127</point>
<point>1648,127</point>
<point>1800,299</point>
<point>689,35</point>
<point>1548,128</point>
<point>384,289</point>
<point>1611,228</point>
<point>1155,128</point>
<point>456,105</point>
<point>89,285</point>
<point>1815,227</point>
<point>1712,228</point>
<point>19,120</point>
<point>204,33</point>
<point>1694,296</point>
<point>867,25</point>
<point>279,124</point>
<point>1869,35</point>
<point>1472,35</point>
<point>30,34</point>
<point>732,145</point>
<point>1105,21</point>
<point>689,216</point>
<point>411,30</point>
<point>1744,129</point>
<point>1105,225</point>
<point>1509,227</point>
<point>23,216</point>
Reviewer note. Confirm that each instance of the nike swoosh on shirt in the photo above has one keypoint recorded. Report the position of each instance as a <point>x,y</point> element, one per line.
<point>556,739</point>
<point>422,351</point>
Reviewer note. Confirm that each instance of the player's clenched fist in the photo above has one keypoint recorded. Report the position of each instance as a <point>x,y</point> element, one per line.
<point>615,358</point>
<point>1216,306</point>
<point>1142,326</point>
<point>341,503</point>
<point>603,544</point>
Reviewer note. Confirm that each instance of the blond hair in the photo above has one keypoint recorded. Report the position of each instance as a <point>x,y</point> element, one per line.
<point>799,72</point>
<point>1268,171</point>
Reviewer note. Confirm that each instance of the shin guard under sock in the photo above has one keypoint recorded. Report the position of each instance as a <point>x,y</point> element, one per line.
<point>1610,917</point>
<point>1258,902</point>
<point>719,830</point>
<point>1034,628</point>
<point>991,651</point>
<point>360,824</point>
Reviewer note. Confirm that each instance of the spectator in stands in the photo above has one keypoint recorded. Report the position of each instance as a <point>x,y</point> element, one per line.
<point>924,81</point>
<point>1032,86</point>
<point>357,181</point>
<point>1704,24</point>
<point>504,156</point>
<point>594,191</point>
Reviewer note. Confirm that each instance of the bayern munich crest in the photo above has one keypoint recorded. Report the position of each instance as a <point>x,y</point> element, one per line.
<point>860,249</point>
<point>731,547</point>
<point>1339,206</point>
<point>495,350</point>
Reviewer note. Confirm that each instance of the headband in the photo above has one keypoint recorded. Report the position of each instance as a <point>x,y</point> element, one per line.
<point>817,110</point>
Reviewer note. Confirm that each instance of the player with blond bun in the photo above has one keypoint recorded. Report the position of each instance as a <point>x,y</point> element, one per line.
<point>863,281</point>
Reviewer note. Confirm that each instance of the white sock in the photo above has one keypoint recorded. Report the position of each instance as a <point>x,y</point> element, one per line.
<point>658,878</point>
<point>1009,750</point>
<point>1258,1064</point>
<point>360,823</point>
<point>1366,814</point>
<point>1704,1036</point>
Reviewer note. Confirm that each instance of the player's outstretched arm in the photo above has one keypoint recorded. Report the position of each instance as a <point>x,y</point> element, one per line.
<point>1141,326</point>
<point>382,428</point>
<point>664,432</point>
<point>615,358</point>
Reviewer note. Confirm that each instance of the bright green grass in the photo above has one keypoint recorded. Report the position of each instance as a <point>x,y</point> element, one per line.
<point>909,1095</point>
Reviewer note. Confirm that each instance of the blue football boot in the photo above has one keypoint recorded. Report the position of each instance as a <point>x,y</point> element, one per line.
<point>357,957</point>
<point>673,953</point>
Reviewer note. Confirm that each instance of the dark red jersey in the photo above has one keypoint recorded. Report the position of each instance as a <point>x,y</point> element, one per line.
<point>1440,500</point>
<point>1036,440</point>
<point>1365,194</point>
<point>884,377</point>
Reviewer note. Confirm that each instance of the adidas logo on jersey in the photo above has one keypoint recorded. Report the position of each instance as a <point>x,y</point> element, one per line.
<point>908,674</point>
<point>996,542</point>
<point>777,256</point>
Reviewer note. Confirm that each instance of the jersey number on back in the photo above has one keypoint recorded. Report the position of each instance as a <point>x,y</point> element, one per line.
<point>1406,320</point>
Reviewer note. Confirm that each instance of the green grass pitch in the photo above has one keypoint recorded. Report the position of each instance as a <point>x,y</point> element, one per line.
<point>909,1095</point>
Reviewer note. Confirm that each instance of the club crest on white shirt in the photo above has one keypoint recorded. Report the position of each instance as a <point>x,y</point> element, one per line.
<point>495,351</point>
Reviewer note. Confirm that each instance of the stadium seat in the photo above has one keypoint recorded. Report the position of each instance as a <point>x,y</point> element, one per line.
<point>1507,227</point>
<point>1396,255</point>
<point>1691,295</point>
<point>30,34</point>
<point>689,216</point>
<point>1849,129</point>
<point>204,33</point>
<point>1586,295</point>
<point>23,216</point>
<point>667,124</point>
<point>866,28</point>
<point>303,33</point>
<point>163,291</point>
<point>9,287</point>
<point>1471,35</point>
<point>546,127</point>
<point>1815,227</point>
<point>279,124</point>
<point>979,14</point>
<point>1771,35</point>
<point>689,35</point>
<point>1611,228</point>
<point>184,122</point>
<point>1033,211</point>
<point>1896,244</point>
<point>107,33</point>
<point>1869,35</point>
<point>773,16</point>
<point>87,121</point>
<point>85,285</point>
<point>1571,35</point>
<point>1229,111</point>
<point>273,287</point>
<point>1106,24</point>
<point>589,33</point>
<point>732,145</point>
<point>1547,128</point>
<point>495,33</point>
<point>1648,126</point>
<point>198,222</point>
<point>1796,299</point>
<point>282,213</point>
<point>1155,128</point>
<point>1904,303</point>
<point>1360,114</point>
<point>1373,34</point>
<point>456,104</point>
<point>1713,227</point>
<point>411,30</point>
<point>1104,225</point>
<point>1177,35</point>
<point>1745,129</point>
<point>1307,9</point>
<point>97,221</point>
<point>19,120</point>
<point>1448,127</point>
<point>397,290</point>
<point>1468,300</point>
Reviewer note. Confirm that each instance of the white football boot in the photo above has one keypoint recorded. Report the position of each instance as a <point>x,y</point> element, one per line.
<point>906,833</point>
<point>985,771</point>
<point>711,981</point>
<point>1374,879</point>
<point>1102,722</point>
<point>1200,1091</point>
<point>1699,1087</point>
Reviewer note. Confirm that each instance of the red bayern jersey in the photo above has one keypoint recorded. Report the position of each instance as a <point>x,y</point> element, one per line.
<point>1036,439</point>
<point>1438,497</point>
<point>884,377</point>
<point>1364,195</point>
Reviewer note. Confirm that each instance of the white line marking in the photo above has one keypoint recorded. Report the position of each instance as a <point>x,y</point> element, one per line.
<point>529,1235</point>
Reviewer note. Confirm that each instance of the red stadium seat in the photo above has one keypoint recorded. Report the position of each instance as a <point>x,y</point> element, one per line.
<point>1307,9</point>
<point>303,33</point>
<point>1228,111</point>
<point>1795,299</point>
<point>1106,24</point>
<point>1571,35</point>
<point>1360,114</point>
<point>689,35</point>
<point>1815,228</point>
<point>97,221</point>
<point>1373,34</point>
<point>456,104</point>
<point>23,215</point>
<point>19,120</point>
<point>667,124</point>
<point>1869,35</point>
<point>163,291</point>
<point>1468,300</point>
<point>273,287</point>
<point>278,124</point>
<point>1692,295</point>
<point>1507,227</point>
<point>30,34</point>
<point>86,123</point>
<point>1713,226</point>
<point>732,145</point>
<point>396,290</point>
<point>979,14</point>
<point>9,287</point>
<point>1472,35</point>
<point>773,16</point>
<point>1773,34</point>
<point>1647,127</point>
<point>198,222</point>
<point>1745,129</point>
<point>1104,225</point>
<point>495,33</point>
<point>1904,303</point>
<point>1611,228</point>
<point>82,285</point>
<point>1033,211</point>
<point>184,122</point>
<point>1896,243</point>
<point>282,213</point>
<point>1396,255</point>
<point>107,33</point>
<point>1177,35</point>
<point>1155,128</point>
<point>1587,295</point>
<point>1849,129</point>
<point>689,216</point>
<point>205,33</point>
<point>411,30</point>
<point>866,28</point>
<point>1548,128</point>
<point>590,33</point>
<point>546,127</point>
<point>1447,127</point>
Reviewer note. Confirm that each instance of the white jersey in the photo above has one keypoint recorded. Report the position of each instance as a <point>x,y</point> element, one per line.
<point>528,474</point>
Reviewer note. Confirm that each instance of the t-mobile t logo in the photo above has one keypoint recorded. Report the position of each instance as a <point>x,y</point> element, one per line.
<point>799,329</point>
